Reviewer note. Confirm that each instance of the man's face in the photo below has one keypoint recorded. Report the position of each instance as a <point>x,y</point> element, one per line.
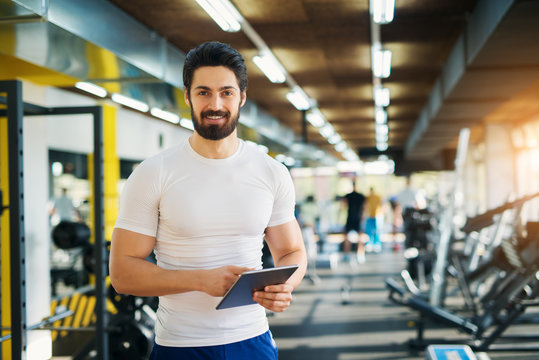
<point>215,101</point>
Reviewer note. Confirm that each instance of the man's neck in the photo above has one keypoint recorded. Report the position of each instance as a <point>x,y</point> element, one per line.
<point>214,149</point>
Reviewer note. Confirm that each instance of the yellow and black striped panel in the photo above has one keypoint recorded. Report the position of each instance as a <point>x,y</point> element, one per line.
<point>81,304</point>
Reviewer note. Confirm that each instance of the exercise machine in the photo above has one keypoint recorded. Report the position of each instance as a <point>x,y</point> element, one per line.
<point>514,290</point>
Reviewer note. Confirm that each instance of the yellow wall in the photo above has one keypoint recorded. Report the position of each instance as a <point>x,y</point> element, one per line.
<point>4,239</point>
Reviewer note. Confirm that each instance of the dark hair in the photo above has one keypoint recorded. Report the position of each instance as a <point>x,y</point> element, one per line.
<point>214,53</point>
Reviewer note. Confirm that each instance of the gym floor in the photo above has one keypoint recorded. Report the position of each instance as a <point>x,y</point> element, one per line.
<point>319,326</point>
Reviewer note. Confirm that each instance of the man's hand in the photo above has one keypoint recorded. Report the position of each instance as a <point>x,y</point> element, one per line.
<point>216,282</point>
<point>275,297</point>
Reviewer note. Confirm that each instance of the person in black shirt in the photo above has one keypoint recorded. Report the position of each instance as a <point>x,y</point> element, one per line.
<point>355,202</point>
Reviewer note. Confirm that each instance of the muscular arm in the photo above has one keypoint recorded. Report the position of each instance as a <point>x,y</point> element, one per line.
<point>287,248</point>
<point>131,274</point>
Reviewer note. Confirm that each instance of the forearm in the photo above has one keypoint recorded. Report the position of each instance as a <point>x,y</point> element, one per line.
<point>135,276</point>
<point>295,257</point>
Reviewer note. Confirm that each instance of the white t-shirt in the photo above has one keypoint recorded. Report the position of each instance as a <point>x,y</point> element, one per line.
<point>206,213</point>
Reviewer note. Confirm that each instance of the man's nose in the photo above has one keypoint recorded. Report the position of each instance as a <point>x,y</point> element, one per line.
<point>215,102</point>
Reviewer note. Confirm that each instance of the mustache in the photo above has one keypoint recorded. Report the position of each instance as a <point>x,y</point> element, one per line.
<point>214,113</point>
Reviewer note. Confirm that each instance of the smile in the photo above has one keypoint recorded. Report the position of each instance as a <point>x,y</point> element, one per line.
<point>215,116</point>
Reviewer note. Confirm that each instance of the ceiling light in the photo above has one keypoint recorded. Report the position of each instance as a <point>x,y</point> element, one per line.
<point>382,129</point>
<point>382,137</point>
<point>382,11</point>
<point>319,154</point>
<point>129,102</point>
<point>381,96</point>
<point>381,146</point>
<point>297,147</point>
<point>289,161</point>
<point>316,118</point>
<point>187,123</point>
<point>381,63</point>
<point>380,115</point>
<point>341,146</point>
<point>91,88</point>
<point>350,155</point>
<point>297,97</point>
<point>379,167</point>
<point>326,131</point>
<point>165,115</point>
<point>270,66</point>
<point>335,138</point>
<point>280,158</point>
<point>223,13</point>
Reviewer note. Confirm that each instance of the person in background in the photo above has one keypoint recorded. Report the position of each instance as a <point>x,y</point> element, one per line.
<point>63,209</point>
<point>409,201</point>
<point>204,207</point>
<point>408,197</point>
<point>354,202</point>
<point>308,218</point>
<point>373,210</point>
<point>396,221</point>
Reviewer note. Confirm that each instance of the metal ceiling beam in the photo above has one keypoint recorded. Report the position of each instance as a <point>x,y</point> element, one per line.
<point>481,25</point>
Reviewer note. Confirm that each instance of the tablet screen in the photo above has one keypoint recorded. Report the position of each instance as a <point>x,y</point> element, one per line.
<point>241,292</point>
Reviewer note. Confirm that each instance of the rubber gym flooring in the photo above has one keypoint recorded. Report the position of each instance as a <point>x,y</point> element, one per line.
<point>318,326</point>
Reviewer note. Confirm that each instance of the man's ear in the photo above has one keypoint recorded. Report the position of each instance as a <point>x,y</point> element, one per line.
<point>243,98</point>
<point>186,97</point>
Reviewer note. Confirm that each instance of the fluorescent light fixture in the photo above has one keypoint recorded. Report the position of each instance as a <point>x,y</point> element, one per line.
<point>381,96</point>
<point>129,102</point>
<point>380,115</point>
<point>319,154</point>
<point>223,13</point>
<point>270,66</point>
<point>91,88</point>
<point>280,158</point>
<point>297,147</point>
<point>187,123</point>
<point>379,167</point>
<point>165,115</point>
<point>382,129</point>
<point>350,155</point>
<point>316,118</point>
<point>382,11</point>
<point>326,131</point>
<point>381,63</point>
<point>289,161</point>
<point>260,147</point>
<point>335,138</point>
<point>341,146</point>
<point>381,146</point>
<point>298,98</point>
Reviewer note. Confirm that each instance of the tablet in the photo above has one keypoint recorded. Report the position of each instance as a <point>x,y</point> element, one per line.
<point>241,292</point>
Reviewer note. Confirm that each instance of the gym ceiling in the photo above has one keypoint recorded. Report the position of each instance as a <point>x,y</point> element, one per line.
<point>455,64</point>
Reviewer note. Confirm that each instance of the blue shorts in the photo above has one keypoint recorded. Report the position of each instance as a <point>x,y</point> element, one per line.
<point>261,347</point>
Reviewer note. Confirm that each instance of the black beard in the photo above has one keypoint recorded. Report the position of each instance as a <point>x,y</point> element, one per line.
<point>213,131</point>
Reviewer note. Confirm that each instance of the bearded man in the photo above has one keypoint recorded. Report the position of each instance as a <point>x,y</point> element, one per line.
<point>204,207</point>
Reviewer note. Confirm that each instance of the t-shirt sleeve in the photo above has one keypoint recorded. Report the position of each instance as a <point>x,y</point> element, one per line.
<point>139,200</point>
<point>285,197</point>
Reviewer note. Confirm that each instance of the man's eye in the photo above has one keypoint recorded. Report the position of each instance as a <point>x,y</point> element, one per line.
<point>228,93</point>
<point>202,93</point>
